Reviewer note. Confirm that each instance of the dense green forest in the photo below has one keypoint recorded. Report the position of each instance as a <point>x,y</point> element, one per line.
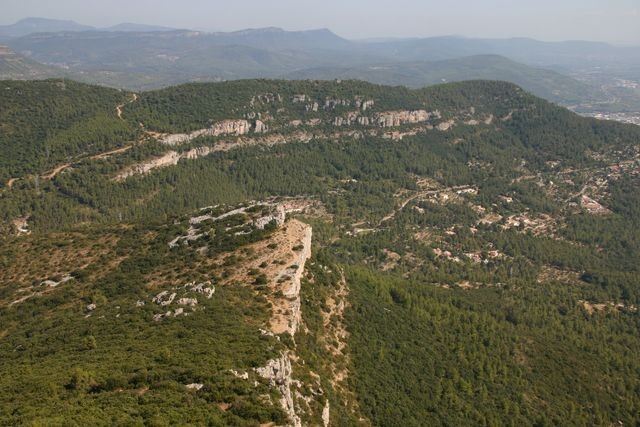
<point>490,268</point>
<point>46,123</point>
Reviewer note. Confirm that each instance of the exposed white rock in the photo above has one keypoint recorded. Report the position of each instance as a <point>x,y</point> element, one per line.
<point>397,118</point>
<point>176,138</point>
<point>194,386</point>
<point>91,307</point>
<point>260,127</point>
<point>445,125</point>
<point>159,317</point>
<point>53,283</point>
<point>178,312</point>
<point>22,225</point>
<point>170,158</point>
<point>191,236</point>
<point>266,98</point>
<point>363,121</point>
<point>225,127</point>
<point>365,105</point>
<point>279,373</point>
<point>164,298</point>
<point>205,288</point>
<point>299,98</point>
<point>291,289</point>
<point>326,414</point>
<point>242,376</point>
<point>139,303</point>
<point>330,104</point>
<point>188,301</point>
<point>202,218</point>
<point>592,206</point>
<point>278,216</point>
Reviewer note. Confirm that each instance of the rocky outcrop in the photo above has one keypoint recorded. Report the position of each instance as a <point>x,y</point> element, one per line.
<point>225,127</point>
<point>266,98</point>
<point>312,107</point>
<point>444,126</point>
<point>240,128</point>
<point>22,225</point>
<point>204,288</point>
<point>364,105</point>
<point>230,127</point>
<point>326,412</point>
<point>279,374</point>
<point>398,118</point>
<point>171,158</point>
<point>260,127</point>
<point>386,119</point>
<point>164,298</point>
<point>278,216</point>
<point>292,293</point>
<point>592,206</point>
<point>168,159</point>
<point>278,371</point>
<point>330,103</point>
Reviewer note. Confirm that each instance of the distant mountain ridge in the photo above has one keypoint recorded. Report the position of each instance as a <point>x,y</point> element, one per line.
<point>17,67</point>
<point>143,57</point>
<point>28,26</point>
<point>41,25</point>
<point>544,83</point>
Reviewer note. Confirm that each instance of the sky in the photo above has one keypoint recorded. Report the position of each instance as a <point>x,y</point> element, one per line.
<point>598,20</point>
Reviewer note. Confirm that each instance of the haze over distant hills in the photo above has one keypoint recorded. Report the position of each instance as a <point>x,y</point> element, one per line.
<point>585,75</point>
<point>546,83</point>
<point>28,26</point>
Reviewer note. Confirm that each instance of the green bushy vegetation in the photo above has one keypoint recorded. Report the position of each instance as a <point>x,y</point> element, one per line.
<point>66,364</point>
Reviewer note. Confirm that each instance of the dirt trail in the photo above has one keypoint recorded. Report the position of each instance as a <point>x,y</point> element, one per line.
<point>418,195</point>
<point>579,193</point>
<point>56,171</point>
<point>109,153</point>
<point>119,107</point>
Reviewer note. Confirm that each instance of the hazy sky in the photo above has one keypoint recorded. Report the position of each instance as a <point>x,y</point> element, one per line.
<point>606,20</point>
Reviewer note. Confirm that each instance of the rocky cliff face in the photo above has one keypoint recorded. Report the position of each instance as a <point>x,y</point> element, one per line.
<point>279,371</point>
<point>170,158</point>
<point>225,127</point>
<point>386,119</point>
<point>398,118</point>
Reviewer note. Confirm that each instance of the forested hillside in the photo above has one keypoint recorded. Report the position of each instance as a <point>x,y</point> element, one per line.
<point>464,254</point>
<point>45,123</point>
